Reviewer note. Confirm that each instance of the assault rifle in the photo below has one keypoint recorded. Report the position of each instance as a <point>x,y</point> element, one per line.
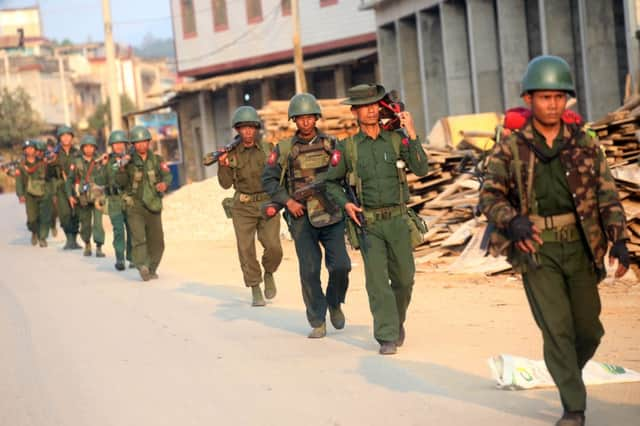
<point>362,228</point>
<point>9,167</point>
<point>213,157</point>
<point>302,194</point>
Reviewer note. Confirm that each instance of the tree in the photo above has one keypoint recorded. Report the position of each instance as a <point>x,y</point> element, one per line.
<point>18,120</point>
<point>101,118</point>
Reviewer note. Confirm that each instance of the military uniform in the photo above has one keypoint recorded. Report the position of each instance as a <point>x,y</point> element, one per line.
<point>294,166</point>
<point>568,192</point>
<point>115,204</point>
<point>388,253</point>
<point>62,166</point>
<point>32,180</point>
<point>144,205</point>
<point>85,175</point>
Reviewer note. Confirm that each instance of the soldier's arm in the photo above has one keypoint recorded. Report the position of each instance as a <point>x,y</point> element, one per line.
<point>493,195</point>
<point>271,178</point>
<point>611,210</point>
<point>20,176</point>
<point>165,171</point>
<point>413,154</point>
<point>336,174</point>
<point>225,176</point>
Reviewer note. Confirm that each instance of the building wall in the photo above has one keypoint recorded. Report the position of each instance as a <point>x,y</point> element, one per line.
<point>244,43</point>
<point>28,19</point>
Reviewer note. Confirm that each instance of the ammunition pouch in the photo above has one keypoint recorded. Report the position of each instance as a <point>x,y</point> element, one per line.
<point>227,204</point>
<point>417,227</point>
<point>36,187</point>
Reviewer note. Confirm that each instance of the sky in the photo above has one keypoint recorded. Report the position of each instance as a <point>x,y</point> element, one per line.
<point>81,20</point>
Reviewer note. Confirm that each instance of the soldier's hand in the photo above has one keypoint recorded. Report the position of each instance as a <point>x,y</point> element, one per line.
<point>295,208</point>
<point>105,159</point>
<point>162,187</point>
<point>619,251</point>
<point>223,160</point>
<point>72,202</point>
<point>22,200</point>
<point>406,122</point>
<point>352,211</point>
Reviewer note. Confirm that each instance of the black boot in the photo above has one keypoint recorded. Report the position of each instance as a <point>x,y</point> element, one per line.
<point>99,252</point>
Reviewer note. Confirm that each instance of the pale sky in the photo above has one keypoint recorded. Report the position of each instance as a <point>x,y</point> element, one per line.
<point>79,20</point>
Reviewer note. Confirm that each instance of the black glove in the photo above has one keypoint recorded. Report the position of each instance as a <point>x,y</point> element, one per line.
<point>520,228</point>
<point>619,251</point>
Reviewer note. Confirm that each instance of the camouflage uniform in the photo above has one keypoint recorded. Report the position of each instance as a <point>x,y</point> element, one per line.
<point>570,180</point>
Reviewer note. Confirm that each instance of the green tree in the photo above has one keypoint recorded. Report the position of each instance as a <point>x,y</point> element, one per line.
<point>18,120</point>
<point>101,118</point>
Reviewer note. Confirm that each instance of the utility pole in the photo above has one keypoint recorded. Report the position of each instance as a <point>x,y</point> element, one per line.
<point>63,88</point>
<point>116,115</point>
<point>301,79</point>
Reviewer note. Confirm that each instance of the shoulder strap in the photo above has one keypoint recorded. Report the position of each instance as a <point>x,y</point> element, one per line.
<point>396,140</point>
<point>284,148</point>
<point>353,179</point>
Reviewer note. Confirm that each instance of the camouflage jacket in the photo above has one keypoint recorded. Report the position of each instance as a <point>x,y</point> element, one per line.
<point>595,197</point>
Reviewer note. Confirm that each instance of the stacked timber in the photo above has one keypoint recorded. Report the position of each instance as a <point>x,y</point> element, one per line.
<point>619,131</point>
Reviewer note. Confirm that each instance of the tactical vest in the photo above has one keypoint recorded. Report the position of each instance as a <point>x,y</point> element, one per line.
<point>305,164</point>
<point>36,184</point>
<point>147,174</point>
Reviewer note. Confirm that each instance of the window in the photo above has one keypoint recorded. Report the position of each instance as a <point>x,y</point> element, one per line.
<point>254,11</point>
<point>285,5</point>
<point>188,18</point>
<point>220,22</point>
<point>324,3</point>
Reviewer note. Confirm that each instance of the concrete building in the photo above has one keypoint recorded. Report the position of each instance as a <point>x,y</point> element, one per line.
<point>463,56</point>
<point>240,52</point>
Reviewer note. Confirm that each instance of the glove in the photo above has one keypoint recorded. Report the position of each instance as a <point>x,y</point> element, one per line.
<point>619,251</point>
<point>520,228</point>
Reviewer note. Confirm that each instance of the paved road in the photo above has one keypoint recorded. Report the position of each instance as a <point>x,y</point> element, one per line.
<point>81,344</point>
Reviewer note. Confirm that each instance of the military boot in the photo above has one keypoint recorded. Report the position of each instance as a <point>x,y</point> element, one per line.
<point>43,243</point>
<point>99,252</point>
<point>388,348</point>
<point>54,231</point>
<point>68,245</point>
<point>572,418</point>
<point>337,317</point>
<point>144,273</point>
<point>132,265</point>
<point>401,336</point>
<point>87,249</point>
<point>318,332</point>
<point>74,242</point>
<point>120,265</point>
<point>34,239</point>
<point>154,275</point>
<point>256,294</point>
<point>269,286</point>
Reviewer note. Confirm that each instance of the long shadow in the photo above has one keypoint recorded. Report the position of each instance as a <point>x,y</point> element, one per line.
<point>234,305</point>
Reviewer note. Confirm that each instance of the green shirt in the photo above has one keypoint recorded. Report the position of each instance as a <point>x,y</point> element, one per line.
<point>245,169</point>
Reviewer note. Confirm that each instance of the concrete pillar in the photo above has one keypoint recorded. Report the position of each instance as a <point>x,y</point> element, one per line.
<point>267,89</point>
<point>233,98</point>
<point>388,57</point>
<point>206,130</point>
<point>631,41</point>
<point>432,63</point>
<point>514,48</point>
<point>456,57</point>
<point>411,79</point>
<point>534,32</point>
<point>483,49</point>
<point>342,78</point>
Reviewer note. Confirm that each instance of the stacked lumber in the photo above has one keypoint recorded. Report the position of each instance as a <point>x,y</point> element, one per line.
<point>337,120</point>
<point>628,182</point>
<point>618,133</point>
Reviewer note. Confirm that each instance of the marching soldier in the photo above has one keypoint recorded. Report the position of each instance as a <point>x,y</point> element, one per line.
<point>119,143</point>
<point>49,157</point>
<point>85,174</point>
<point>32,178</point>
<point>242,168</point>
<point>61,162</point>
<point>294,178</point>
<point>373,161</point>
<point>553,203</point>
<point>145,179</point>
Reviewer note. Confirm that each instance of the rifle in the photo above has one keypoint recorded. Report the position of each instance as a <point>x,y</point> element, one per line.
<point>9,166</point>
<point>316,189</point>
<point>362,228</point>
<point>213,157</point>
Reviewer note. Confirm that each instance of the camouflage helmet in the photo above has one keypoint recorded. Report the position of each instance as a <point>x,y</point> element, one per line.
<point>139,134</point>
<point>118,136</point>
<point>62,130</point>
<point>304,104</point>
<point>88,140</point>
<point>245,114</point>
<point>548,73</point>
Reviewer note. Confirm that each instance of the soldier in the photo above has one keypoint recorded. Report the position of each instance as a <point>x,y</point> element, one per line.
<point>373,161</point>
<point>61,162</point>
<point>552,217</point>
<point>49,157</point>
<point>32,178</point>
<point>145,179</point>
<point>242,168</point>
<point>85,175</point>
<point>119,143</point>
<point>294,177</point>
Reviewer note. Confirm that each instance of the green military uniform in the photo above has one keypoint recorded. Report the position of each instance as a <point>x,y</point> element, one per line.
<point>62,166</point>
<point>296,164</point>
<point>115,203</point>
<point>83,181</point>
<point>144,205</point>
<point>388,258</point>
<point>32,179</point>
<point>568,192</point>
<point>52,189</point>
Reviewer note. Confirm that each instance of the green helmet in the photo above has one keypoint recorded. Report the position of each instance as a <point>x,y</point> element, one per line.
<point>62,130</point>
<point>40,145</point>
<point>138,134</point>
<point>88,140</point>
<point>246,114</point>
<point>548,73</point>
<point>30,142</point>
<point>304,104</point>
<point>118,136</point>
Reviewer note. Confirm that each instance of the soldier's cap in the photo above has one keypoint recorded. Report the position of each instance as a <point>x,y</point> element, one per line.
<point>364,94</point>
<point>29,143</point>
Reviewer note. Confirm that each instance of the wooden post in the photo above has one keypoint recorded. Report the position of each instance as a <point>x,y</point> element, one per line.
<point>301,80</point>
